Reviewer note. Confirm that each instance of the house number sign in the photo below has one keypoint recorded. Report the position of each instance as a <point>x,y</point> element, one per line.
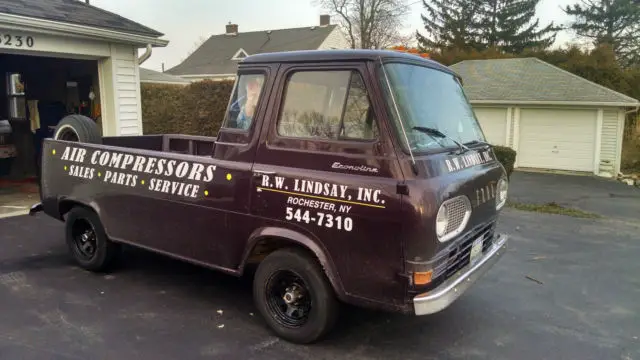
<point>18,41</point>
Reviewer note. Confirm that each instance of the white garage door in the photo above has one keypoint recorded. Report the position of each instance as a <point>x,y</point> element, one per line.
<point>493,122</point>
<point>557,139</point>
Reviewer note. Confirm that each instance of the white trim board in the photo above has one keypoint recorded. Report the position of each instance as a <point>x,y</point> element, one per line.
<point>24,23</point>
<point>237,54</point>
<point>598,144</point>
<point>620,136</point>
<point>554,103</point>
<point>516,136</point>
<point>508,130</point>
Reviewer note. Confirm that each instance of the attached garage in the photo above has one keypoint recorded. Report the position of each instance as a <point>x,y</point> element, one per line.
<point>60,58</point>
<point>555,120</point>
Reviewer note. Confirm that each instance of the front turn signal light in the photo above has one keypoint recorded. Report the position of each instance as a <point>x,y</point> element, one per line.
<point>422,278</point>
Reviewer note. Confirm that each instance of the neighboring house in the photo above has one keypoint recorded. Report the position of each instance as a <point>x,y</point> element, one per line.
<point>217,57</point>
<point>155,77</point>
<point>552,118</point>
<point>61,56</point>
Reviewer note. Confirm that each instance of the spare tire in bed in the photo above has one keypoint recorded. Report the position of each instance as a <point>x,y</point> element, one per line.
<point>78,128</point>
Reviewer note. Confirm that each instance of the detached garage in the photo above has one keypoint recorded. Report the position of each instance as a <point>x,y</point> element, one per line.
<point>64,57</point>
<point>555,120</point>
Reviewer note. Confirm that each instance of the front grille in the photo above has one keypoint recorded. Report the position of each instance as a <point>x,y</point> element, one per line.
<point>459,252</point>
<point>456,213</point>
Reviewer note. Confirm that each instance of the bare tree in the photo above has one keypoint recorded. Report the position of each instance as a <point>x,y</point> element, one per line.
<point>369,24</point>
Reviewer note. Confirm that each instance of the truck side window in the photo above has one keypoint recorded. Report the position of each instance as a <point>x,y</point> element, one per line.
<point>328,105</point>
<point>244,101</point>
<point>358,120</point>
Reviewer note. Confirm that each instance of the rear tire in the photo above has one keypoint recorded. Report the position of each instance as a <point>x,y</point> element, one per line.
<point>78,128</point>
<point>87,240</point>
<point>294,296</point>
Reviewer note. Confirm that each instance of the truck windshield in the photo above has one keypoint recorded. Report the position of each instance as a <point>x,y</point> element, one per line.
<point>429,98</point>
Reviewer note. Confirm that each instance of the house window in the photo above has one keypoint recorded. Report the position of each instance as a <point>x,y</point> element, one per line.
<point>16,96</point>
<point>330,105</point>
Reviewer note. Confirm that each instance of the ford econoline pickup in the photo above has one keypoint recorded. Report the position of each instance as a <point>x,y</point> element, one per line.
<point>341,176</point>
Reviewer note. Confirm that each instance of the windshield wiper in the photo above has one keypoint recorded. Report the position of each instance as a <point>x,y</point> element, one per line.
<point>480,142</point>
<point>440,134</point>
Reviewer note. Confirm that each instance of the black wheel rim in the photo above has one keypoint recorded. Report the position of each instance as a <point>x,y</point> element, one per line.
<point>84,239</point>
<point>68,135</point>
<point>288,298</point>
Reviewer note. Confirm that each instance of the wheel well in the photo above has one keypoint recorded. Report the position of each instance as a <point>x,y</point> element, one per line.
<point>267,245</point>
<point>65,206</point>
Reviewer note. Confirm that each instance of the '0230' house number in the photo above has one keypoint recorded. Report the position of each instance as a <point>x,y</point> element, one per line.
<point>19,41</point>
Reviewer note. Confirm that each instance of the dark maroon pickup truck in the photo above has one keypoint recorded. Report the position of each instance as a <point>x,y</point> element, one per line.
<point>355,176</point>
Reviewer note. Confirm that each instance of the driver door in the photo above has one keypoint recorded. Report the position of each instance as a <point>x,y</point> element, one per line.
<point>326,169</point>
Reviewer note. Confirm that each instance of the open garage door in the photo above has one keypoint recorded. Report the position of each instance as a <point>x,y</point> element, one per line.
<point>557,139</point>
<point>37,91</point>
<point>493,122</point>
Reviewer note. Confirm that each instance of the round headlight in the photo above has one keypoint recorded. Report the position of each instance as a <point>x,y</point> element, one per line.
<point>502,189</point>
<point>442,220</point>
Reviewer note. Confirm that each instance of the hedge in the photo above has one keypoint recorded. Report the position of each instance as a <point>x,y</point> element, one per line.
<point>506,156</point>
<point>195,109</point>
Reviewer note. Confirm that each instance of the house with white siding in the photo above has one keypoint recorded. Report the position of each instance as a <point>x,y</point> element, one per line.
<point>217,58</point>
<point>61,57</point>
<point>554,119</point>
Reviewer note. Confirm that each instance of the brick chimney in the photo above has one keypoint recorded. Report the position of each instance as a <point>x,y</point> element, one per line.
<point>231,29</point>
<point>325,20</point>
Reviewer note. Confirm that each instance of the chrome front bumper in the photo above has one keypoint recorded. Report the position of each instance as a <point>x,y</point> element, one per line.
<point>445,294</point>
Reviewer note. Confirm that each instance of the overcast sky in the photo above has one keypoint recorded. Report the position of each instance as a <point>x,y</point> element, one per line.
<point>184,22</point>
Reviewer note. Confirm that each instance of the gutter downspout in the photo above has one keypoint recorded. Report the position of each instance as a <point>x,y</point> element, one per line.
<point>146,55</point>
<point>634,110</point>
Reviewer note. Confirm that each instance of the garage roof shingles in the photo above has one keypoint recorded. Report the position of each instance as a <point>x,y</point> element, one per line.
<point>74,12</point>
<point>531,80</point>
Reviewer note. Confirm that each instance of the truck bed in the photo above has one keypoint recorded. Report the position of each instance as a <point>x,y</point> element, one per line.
<point>175,143</point>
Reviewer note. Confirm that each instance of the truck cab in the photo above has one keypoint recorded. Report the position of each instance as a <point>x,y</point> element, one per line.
<point>355,176</point>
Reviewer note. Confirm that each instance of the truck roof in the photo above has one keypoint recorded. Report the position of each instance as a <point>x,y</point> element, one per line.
<point>338,55</point>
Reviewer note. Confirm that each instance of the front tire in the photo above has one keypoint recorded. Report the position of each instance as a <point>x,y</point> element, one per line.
<point>88,242</point>
<point>294,296</point>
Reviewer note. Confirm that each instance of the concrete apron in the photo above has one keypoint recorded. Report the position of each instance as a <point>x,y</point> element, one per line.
<point>16,203</point>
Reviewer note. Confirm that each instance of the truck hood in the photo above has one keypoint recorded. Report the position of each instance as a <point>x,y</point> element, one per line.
<point>473,175</point>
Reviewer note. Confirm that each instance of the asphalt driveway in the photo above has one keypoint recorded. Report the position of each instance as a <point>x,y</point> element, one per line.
<point>608,198</point>
<point>579,302</point>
